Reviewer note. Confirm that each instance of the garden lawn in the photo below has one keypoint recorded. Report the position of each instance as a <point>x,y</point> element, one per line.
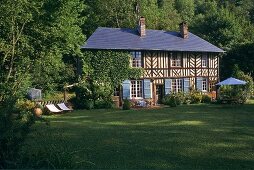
<point>185,137</point>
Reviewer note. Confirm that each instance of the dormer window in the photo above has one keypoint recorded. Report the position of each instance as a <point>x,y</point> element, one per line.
<point>204,60</point>
<point>176,60</point>
<point>136,59</point>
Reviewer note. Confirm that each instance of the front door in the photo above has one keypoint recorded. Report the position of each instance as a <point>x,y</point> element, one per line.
<point>159,93</point>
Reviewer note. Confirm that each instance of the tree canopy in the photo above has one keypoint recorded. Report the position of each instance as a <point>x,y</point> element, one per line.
<point>34,36</point>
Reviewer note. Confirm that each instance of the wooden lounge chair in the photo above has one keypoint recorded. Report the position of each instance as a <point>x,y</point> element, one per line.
<point>63,107</point>
<point>52,108</point>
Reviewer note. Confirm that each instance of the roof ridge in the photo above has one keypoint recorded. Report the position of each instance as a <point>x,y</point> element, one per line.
<point>135,29</point>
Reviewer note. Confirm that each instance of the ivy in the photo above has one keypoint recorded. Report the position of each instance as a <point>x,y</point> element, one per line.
<point>105,70</point>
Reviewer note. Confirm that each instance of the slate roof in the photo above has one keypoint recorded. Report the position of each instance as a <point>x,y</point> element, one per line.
<point>128,39</point>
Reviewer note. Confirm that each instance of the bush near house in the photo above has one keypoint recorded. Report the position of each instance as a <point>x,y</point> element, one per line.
<point>92,95</point>
<point>194,97</point>
<point>104,104</point>
<point>174,99</point>
<point>233,94</point>
<point>126,104</point>
<point>238,94</point>
<point>206,99</point>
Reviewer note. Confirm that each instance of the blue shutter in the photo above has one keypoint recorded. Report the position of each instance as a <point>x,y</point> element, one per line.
<point>199,83</point>
<point>186,84</point>
<point>126,89</point>
<point>167,84</point>
<point>147,89</point>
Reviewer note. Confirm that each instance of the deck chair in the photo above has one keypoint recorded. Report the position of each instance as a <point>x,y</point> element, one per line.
<point>52,108</point>
<point>63,107</point>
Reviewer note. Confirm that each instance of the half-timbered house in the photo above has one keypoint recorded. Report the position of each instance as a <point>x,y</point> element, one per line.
<point>172,61</point>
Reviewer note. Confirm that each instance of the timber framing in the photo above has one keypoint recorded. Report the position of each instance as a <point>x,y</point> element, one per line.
<point>157,65</point>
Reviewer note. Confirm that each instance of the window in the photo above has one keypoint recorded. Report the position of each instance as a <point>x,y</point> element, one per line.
<point>204,84</point>
<point>136,59</point>
<point>136,89</point>
<point>176,60</point>
<point>204,60</point>
<point>116,91</point>
<point>177,85</point>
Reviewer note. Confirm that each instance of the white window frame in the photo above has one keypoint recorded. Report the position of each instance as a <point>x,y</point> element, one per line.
<point>204,85</point>
<point>204,60</point>
<point>136,89</point>
<point>177,85</point>
<point>136,59</point>
<point>176,60</point>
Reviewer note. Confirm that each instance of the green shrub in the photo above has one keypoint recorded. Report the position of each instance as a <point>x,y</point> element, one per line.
<point>13,129</point>
<point>195,97</point>
<point>88,104</point>
<point>25,111</point>
<point>109,104</point>
<point>126,104</point>
<point>175,99</point>
<point>25,105</point>
<point>165,99</point>
<point>104,104</point>
<point>206,98</point>
<point>233,94</point>
<point>226,92</point>
<point>180,98</point>
<point>187,98</point>
<point>171,100</point>
<point>80,102</point>
<point>240,93</point>
<point>91,95</point>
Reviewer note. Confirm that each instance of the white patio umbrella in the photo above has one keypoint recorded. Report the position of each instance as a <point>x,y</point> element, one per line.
<point>231,81</point>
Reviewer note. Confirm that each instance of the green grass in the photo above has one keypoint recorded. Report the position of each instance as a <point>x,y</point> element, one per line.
<point>185,137</point>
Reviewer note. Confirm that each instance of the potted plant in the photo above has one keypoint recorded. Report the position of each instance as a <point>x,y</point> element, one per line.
<point>38,110</point>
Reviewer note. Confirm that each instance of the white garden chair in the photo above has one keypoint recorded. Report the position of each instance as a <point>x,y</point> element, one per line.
<point>63,107</point>
<point>52,108</point>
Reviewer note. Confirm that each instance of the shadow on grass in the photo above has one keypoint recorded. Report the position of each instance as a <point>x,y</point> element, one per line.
<point>186,137</point>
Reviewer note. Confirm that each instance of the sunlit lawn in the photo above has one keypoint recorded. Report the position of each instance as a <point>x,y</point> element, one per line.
<point>185,137</point>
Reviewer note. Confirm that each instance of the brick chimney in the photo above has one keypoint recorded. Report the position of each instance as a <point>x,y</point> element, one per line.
<point>142,27</point>
<point>184,30</point>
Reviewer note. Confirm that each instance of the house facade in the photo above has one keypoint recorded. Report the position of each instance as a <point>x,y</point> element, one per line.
<point>172,61</point>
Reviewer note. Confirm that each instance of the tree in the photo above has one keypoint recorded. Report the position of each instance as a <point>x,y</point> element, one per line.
<point>41,33</point>
<point>14,46</point>
<point>122,13</point>
<point>114,13</point>
<point>58,28</point>
<point>241,55</point>
<point>34,37</point>
<point>186,9</point>
<point>220,27</point>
